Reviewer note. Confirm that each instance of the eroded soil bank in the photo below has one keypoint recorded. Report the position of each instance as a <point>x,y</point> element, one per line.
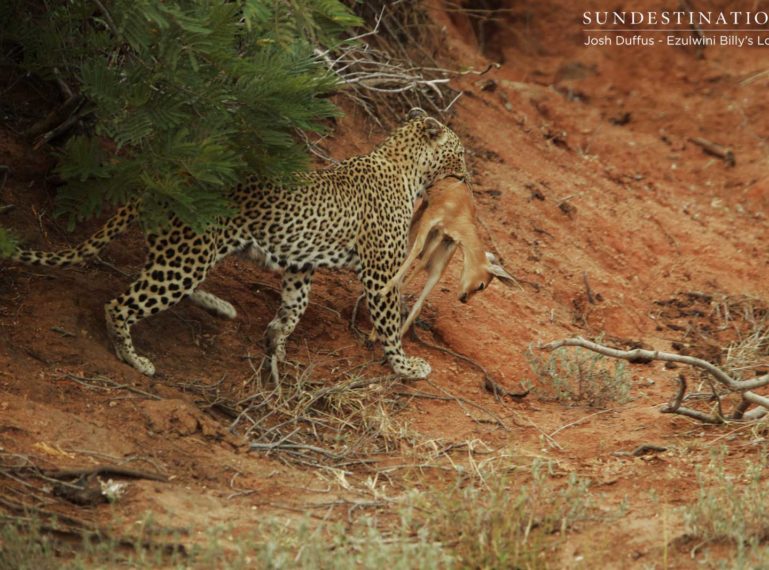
<point>591,191</point>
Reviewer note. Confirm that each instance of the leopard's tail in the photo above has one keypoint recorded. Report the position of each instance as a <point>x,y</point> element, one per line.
<point>91,247</point>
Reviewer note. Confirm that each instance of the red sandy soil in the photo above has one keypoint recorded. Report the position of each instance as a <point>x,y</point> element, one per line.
<point>562,192</point>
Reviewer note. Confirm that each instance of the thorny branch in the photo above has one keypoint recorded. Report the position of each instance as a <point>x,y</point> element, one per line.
<point>642,356</point>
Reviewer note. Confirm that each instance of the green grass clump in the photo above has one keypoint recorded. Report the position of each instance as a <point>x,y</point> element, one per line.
<point>501,524</point>
<point>481,520</point>
<point>732,508</point>
<point>24,547</point>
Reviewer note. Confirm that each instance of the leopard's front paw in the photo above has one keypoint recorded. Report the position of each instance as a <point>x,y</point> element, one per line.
<point>413,367</point>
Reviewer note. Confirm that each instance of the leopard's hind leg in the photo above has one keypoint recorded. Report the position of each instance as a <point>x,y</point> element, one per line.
<point>295,296</point>
<point>162,284</point>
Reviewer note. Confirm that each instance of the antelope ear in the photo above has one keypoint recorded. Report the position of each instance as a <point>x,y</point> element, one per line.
<point>416,112</point>
<point>434,130</point>
<point>499,272</point>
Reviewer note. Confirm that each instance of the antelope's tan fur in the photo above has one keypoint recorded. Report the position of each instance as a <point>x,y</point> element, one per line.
<point>442,225</point>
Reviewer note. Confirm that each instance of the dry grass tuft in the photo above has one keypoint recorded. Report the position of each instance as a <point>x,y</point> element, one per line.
<point>749,354</point>
<point>498,522</point>
<point>316,421</point>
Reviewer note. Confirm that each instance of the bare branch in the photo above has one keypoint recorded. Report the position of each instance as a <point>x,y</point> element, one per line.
<point>106,470</point>
<point>676,403</point>
<point>641,356</point>
<point>695,414</point>
<point>59,116</point>
<point>379,73</point>
<point>755,414</point>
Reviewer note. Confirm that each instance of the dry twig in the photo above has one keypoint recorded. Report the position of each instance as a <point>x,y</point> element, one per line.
<point>489,384</point>
<point>390,67</point>
<point>714,149</point>
<point>588,291</point>
<point>109,383</point>
<point>462,402</point>
<point>641,450</point>
<point>56,117</point>
<point>115,470</point>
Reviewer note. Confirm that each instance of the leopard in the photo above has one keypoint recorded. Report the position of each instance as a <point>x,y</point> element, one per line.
<point>354,214</point>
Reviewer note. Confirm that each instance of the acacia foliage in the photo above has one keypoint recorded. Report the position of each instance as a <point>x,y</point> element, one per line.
<point>183,98</point>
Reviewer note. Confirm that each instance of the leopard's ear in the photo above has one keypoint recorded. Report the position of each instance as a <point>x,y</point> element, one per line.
<point>416,112</point>
<point>434,130</point>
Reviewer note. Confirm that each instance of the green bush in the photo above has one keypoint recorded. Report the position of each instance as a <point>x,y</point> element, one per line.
<point>182,98</point>
<point>732,508</point>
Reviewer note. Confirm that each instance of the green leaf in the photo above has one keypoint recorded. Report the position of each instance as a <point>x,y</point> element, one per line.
<point>256,13</point>
<point>8,242</point>
<point>81,159</point>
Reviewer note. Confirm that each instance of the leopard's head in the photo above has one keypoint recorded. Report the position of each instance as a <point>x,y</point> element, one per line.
<point>438,152</point>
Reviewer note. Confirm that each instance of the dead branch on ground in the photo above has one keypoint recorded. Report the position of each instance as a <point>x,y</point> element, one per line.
<point>591,297</point>
<point>55,118</point>
<point>28,504</point>
<point>641,450</point>
<point>104,383</point>
<point>60,525</point>
<point>739,386</point>
<point>114,470</point>
<point>714,149</point>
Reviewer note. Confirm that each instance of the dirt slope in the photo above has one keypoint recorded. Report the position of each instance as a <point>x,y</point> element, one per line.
<point>583,169</point>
